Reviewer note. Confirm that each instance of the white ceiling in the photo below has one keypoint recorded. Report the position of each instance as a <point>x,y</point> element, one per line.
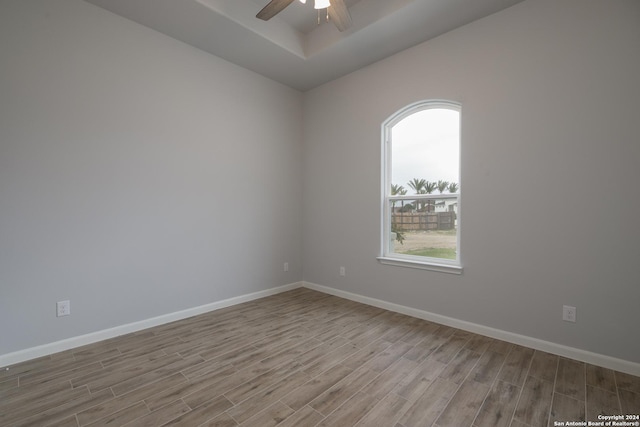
<point>292,48</point>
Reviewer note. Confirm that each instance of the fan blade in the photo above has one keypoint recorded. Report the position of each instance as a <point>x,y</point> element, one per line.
<point>339,14</point>
<point>273,8</point>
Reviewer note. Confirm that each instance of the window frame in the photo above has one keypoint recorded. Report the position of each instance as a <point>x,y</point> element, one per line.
<point>404,260</point>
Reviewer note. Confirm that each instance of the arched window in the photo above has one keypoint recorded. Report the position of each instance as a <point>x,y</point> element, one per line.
<point>421,187</point>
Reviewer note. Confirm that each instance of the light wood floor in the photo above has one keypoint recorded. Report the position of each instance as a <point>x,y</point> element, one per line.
<point>303,358</point>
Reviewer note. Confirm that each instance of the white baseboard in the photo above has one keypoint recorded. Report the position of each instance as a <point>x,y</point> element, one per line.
<point>537,344</point>
<point>74,342</point>
<point>559,349</point>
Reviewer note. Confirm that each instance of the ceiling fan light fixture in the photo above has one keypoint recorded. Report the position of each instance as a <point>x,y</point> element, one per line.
<point>322,4</point>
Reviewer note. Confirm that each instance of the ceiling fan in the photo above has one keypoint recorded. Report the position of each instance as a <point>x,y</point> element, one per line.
<point>336,10</point>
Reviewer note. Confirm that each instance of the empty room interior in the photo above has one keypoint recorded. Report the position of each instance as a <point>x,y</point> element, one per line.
<point>201,224</point>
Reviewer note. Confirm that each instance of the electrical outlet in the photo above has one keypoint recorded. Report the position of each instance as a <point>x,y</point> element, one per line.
<point>286,266</point>
<point>64,308</point>
<point>343,271</point>
<point>568,313</point>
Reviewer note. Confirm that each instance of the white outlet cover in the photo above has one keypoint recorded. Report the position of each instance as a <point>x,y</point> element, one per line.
<point>568,313</point>
<point>63,308</point>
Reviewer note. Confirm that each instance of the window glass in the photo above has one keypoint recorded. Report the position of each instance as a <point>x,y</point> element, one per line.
<point>422,185</point>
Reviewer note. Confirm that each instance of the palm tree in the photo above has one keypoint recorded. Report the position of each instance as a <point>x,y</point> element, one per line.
<point>397,190</point>
<point>429,188</point>
<point>418,186</point>
<point>442,186</point>
<point>453,187</point>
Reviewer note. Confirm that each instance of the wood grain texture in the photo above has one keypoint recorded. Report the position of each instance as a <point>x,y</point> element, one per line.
<point>565,408</point>
<point>499,406</point>
<point>535,402</point>
<point>571,379</point>
<point>339,14</point>
<point>273,8</point>
<point>304,359</point>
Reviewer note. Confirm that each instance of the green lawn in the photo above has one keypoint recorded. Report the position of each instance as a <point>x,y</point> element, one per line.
<point>447,253</point>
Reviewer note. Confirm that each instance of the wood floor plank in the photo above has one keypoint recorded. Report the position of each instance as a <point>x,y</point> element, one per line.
<point>315,387</point>
<point>194,397</point>
<point>131,372</point>
<point>419,380</point>
<point>447,351</point>
<point>627,382</point>
<point>222,420</point>
<point>70,421</point>
<point>161,416</point>
<point>256,403</point>
<point>629,402</point>
<point>262,382</point>
<point>351,411</point>
<point>21,408</point>
<point>68,408</point>
<point>24,368</point>
<point>501,347</point>
<point>304,417</point>
<point>601,377</point>
<point>367,353</point>
<point>418,333</point>
<point>202,368</point>
<point>334,397</point>
<point>464,405</point>
<point>122,365</point>
<point>184,390</point>
<point>370,336</point>
<point>291,353</point>
<point>566,408</point>
<point>270,417</point>
<point>138,381</point>
<point>131,358</point>
<point>499,406</point>
<point>62,375</point>
<point>316,353</point>
<point>479,344</point>
<point>428,407</point>
<point>544,366</point>
<point>302,359</point>
<point>123,416</point>
<point>29,393</point>
<point>331,359</point>
<point>389,379</point>
<point>601,402</point>
<point>203,413</point>
<point>488,367</point>
<point>571,378</point>
<point>460,366</point>
<point>425,348</point>
<point>516,366</point>
<point>111,406</point>
<point>8,385</point>
<point>386,412</point>
<point>535,402</point>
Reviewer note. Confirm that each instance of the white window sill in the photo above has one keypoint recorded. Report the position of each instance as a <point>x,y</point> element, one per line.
<point>422,265</point>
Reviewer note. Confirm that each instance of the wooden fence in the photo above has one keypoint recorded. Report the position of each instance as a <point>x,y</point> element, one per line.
<point>410,221</point>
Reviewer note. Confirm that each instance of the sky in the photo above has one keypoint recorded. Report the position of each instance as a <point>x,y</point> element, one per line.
<point>426,145</point>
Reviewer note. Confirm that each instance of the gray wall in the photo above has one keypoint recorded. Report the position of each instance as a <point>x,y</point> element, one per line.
<point>138,176</point>
<point>550,152</point>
